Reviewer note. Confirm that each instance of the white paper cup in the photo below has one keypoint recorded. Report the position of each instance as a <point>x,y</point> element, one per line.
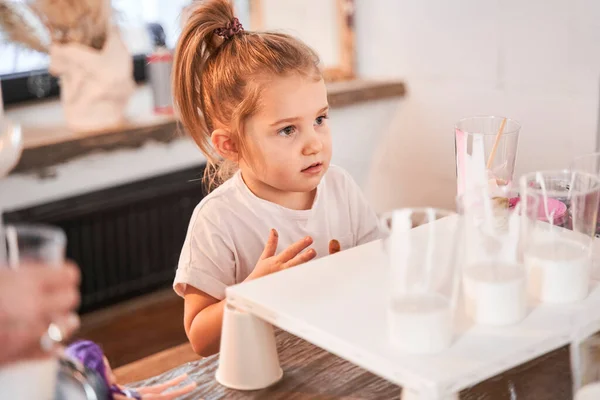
<point>559,271</point>
<point>495,294</point>
<point>248,358</point>
<point>34,379</point>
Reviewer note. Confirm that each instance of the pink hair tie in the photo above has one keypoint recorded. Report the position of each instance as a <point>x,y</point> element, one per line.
<point>233,28</point>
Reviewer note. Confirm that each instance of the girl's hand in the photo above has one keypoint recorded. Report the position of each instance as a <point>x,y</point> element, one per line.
<point>156,392</point>
<point>31,297</point>
<point>290,257</point>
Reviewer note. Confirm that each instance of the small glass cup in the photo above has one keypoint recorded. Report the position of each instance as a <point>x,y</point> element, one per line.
<point>34,244</point>
<point>560,233</point>
<point>421,249</point>
<point>475,142</point>
<point>31,246</point>
<point>493,275</point>
<point>588,163</point>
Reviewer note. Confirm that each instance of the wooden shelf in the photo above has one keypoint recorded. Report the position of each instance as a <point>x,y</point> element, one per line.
<point>48,142</point>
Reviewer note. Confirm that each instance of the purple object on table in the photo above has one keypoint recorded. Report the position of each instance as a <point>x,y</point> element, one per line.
<point>91,356</point>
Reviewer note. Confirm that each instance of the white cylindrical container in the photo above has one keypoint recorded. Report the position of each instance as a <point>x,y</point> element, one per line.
<point>558,271</point>
<point>495,294</point>
<point>420,323</point>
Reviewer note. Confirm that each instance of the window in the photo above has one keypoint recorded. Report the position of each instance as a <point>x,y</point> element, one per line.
<point>23,72</point>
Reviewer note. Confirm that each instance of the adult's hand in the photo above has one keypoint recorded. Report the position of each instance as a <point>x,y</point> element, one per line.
<point>31,298</point>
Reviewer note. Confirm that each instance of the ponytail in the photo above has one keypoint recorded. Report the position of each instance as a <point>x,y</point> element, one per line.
<point>214,67</point>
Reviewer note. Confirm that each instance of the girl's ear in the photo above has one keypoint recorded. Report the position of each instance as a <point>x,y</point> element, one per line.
<point>225,145</point>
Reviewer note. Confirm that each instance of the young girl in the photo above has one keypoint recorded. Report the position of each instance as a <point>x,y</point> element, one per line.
<point>256,103</point>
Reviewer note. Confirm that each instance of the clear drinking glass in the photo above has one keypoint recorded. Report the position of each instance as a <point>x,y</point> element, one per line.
<point>42,246</point>
<point>588,163</point>
<point>493,275</point>
<point>34,244</point>
<point>476,140</point>
<point>560,233</point>
<point>421,249</point>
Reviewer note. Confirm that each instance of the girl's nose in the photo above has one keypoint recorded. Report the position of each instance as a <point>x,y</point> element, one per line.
<point>313,144</point>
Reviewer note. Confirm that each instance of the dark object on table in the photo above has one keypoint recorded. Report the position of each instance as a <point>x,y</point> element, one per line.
<point>76,382</point>
<point>91,356</point>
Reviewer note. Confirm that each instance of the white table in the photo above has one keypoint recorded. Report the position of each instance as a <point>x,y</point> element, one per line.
<point>339,304</point>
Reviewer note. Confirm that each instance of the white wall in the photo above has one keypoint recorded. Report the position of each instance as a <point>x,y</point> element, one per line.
<point>537,61</point>
<point>357,134</point>
<point>309,20</point>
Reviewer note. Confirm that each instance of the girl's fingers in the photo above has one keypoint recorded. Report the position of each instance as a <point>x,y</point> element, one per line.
<point>301,258</point>
<point>271,246</point>
<point>53,279</point>
<point>295,249</point>
<point>22,342</point>
<point>68,324</point>
<point>60,302</point>
<point>163,386</point>
<point>173,394</point>
<point>334,246</point>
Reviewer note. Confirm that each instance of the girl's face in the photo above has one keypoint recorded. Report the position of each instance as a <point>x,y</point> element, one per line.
<point>288,141</point>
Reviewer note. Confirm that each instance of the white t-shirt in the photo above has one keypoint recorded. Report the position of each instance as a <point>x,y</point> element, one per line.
<point>229,229</point>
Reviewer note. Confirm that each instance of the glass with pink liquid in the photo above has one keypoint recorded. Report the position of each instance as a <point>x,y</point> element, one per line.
<point>559,246</point>
<point>589,163</point>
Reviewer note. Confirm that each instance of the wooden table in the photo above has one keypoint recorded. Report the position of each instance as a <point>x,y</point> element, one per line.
<point>312,373</point>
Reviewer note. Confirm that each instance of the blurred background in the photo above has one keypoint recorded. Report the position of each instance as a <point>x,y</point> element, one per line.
<point>400,74</point>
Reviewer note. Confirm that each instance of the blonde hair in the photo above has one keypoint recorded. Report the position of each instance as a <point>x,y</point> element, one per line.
<point>215,78</point>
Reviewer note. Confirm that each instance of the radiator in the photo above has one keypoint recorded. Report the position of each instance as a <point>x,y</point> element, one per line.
<point>125,239</point>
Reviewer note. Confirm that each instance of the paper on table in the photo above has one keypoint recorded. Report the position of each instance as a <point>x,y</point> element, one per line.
<point>472,167</point>
<point>461,154</point>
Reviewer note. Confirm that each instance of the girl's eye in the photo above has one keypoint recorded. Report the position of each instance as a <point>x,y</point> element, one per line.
<point>321,120</point>
<point>287,131</point>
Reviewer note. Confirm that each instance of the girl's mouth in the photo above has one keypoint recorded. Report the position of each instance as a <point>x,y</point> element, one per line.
<point>313,168</point>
